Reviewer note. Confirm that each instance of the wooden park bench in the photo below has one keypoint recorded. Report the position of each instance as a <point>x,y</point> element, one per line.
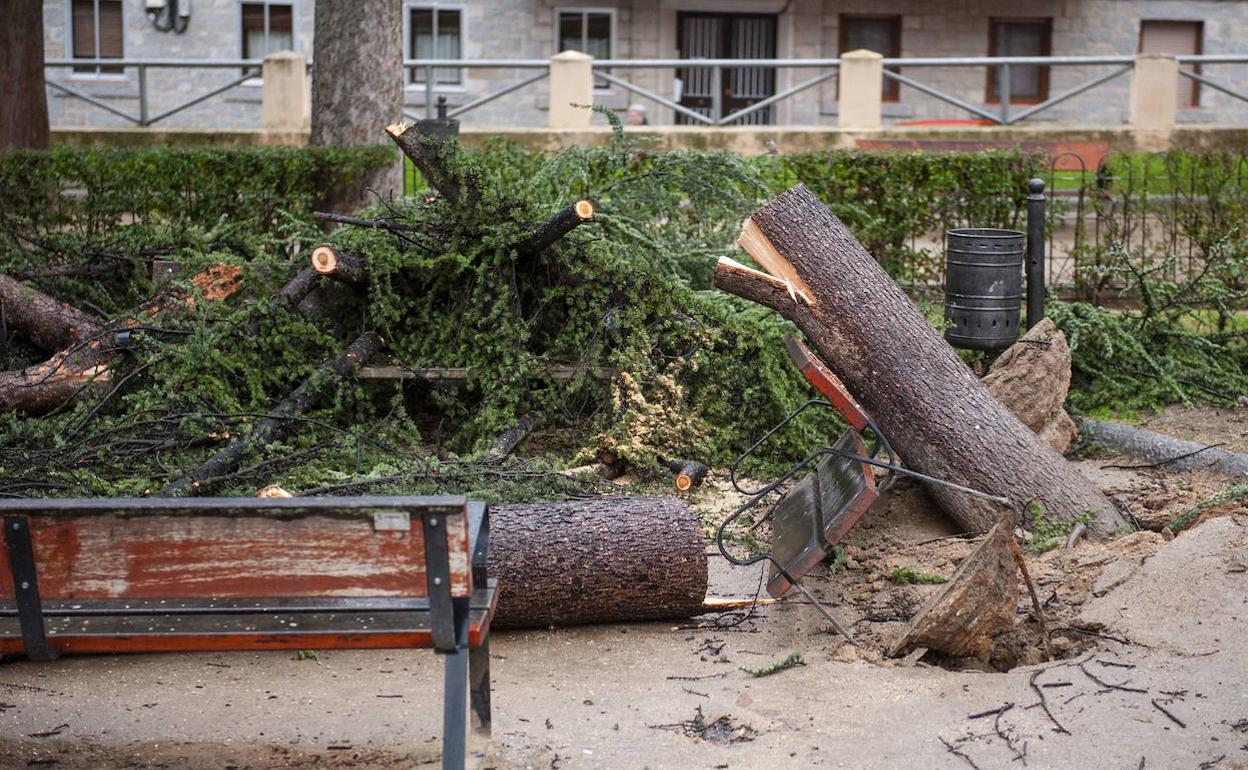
<point>222,574</point>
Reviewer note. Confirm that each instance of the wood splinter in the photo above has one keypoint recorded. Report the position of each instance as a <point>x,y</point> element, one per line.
<point>340,266</point>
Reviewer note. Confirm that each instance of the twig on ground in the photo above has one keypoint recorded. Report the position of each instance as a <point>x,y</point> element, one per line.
<point>1044,703</point>
<point>1108,685</point>
<point>965,757</point>
<point>1169,715</point>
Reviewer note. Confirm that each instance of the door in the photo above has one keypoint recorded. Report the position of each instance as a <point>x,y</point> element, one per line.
<point>727,36</point>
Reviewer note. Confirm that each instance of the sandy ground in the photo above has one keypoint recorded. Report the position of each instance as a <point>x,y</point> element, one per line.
<point>1152,634</point>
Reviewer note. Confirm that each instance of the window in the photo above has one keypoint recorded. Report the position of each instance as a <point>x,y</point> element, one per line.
<point>588,31</point>
<point>1178,38</point>
<point>881,34</point>
<point>267,28</point>
<point>435,33</point>
<point>97,33</point>
<point>1029,83</point>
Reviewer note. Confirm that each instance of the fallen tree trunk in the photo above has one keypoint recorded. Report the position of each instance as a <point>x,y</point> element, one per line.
<point>941,419</point>
<point>607,560</point>
<point>46,322</point>
<point>204,478</point>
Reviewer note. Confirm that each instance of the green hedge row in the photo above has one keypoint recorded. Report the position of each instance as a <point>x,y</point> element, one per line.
<point>92,189</point>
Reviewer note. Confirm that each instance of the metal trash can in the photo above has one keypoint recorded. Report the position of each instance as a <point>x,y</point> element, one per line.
<point>983,287</point>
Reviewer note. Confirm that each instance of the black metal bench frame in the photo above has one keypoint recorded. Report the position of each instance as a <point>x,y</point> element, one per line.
<point>32,624</point>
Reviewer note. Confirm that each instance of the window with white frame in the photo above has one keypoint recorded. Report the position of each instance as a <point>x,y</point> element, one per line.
<point>588,30</point>
<point>96,33</point>
<point>435,33</point>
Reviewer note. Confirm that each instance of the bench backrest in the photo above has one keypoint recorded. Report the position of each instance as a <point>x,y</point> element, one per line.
<point>152,548</point>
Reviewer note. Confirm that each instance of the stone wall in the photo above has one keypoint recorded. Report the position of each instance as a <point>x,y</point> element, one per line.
<point>525,29</point>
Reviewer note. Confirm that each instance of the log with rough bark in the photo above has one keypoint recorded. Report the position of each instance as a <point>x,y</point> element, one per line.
<point>330,262</point>
<point>47,323</point>
<point>43,387</point>
<point>938,416</point>
<point>506,442</point>
<point>279,424</point>
<point>1156,450</point>
<point>689,473</point>
<point>555,228</point>
<point>607,560</point>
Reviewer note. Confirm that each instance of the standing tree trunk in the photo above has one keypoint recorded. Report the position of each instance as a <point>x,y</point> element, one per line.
<point>933,409</point>
<point>357,85</point>
<point>22,91</point>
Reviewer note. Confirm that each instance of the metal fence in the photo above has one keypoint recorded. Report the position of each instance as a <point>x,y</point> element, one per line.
<point>714,72</point>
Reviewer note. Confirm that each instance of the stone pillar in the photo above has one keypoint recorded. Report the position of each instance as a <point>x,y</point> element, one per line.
<point>571,82</point>
<point>861,89</point>
<point>1154,93</point>
<point>284,102</point>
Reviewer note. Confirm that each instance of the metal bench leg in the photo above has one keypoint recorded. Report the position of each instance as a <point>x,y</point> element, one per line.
<point>455,694</point>
<point>479,678</point>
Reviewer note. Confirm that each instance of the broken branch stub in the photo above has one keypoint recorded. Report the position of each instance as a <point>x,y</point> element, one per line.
<point>933,409</point>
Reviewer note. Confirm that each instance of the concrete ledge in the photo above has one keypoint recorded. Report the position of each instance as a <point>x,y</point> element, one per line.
<point>1087,141</point>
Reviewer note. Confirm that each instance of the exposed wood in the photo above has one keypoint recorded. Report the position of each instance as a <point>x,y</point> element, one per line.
<point>46,322</point>
<point>597,561</point>
<point>43,387</point>
<point>25,123</point>
<point>717,604</point>
<point>976,605</point>
<point>1158,450</point>
<point>340,266</point>
<point>433,155</point>
<point>937,415</point>
<point>204,478</point>
<point>508,440</point>
<point>689,473</point>
<point>555,228</point>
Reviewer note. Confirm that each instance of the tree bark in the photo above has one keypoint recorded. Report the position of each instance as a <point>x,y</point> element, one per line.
<point>85,361</point>
<point>357,85</point>
<point>1156,450</point>
<point>22,90</point>
<point>204,478</point>
<point>555,228</point>
<point>432,154</point>
<point>46,322</point>
<point>933,409</point>
<point>608,560</point>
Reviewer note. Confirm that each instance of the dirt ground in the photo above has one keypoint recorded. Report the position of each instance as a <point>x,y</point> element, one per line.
<point>1147,668</point>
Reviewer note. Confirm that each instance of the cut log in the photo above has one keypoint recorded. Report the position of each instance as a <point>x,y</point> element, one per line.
<point>555,228</point>
<point>298,288</point>
<point>41,388</point>
<point>47,323</point>
<point>340,266</point>
<point>608,560</point>
<point>937,415</point>
<point>212,472</point>
<point>978,604</point>
<point>689,473</point>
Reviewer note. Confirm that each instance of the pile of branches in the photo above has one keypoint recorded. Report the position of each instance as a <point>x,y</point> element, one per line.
<point>556,293</point>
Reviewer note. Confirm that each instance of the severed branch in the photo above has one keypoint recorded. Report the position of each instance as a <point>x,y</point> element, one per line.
<point>275,427</point>
<point>431,154</point>
<point>41,388</point>
<point>555,228</point>
<point>340,266</point>
<point>507,441</point>
<point>689,473</point>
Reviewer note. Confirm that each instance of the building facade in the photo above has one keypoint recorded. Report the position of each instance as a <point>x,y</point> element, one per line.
<point>666,29</point>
